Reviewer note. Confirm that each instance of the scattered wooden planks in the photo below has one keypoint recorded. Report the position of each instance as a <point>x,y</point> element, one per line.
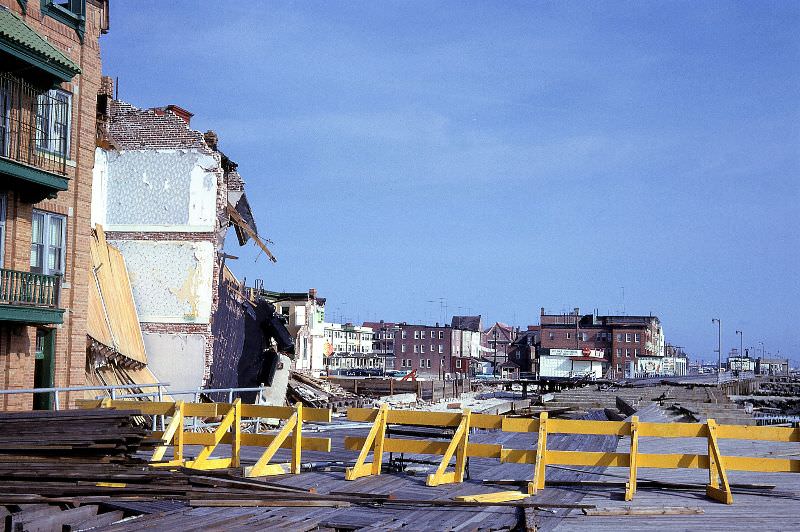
<point>617,511</point>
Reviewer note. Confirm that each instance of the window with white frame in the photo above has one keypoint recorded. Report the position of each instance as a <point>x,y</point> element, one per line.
<point>441,348</point>
<point>429,362</point>
<point>53,114</point>
<point>402,362</point>
<point>627,353</point>
<point>48,239</point>
<point>458,363</point>
<point>416,335</point>
<point>403,348</point>
<point>441,335</point>
<point>416,348</point>
<point>627,337</point>
<point>403,335</point>
<point>422,348</point>
<point>636,337</point>
<point>636,352</point>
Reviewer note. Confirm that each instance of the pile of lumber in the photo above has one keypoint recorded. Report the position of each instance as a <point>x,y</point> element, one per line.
<point>97,435</point>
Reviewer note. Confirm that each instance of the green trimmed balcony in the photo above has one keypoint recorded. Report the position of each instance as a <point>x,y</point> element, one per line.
<point>30,298</point>
<point>34,137</point>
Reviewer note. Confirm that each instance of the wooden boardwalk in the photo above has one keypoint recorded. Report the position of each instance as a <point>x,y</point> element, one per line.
<point>779,509</point>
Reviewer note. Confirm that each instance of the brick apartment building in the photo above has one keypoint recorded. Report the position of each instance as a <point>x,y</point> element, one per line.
<point>49,79</point>
<point>624,345</point>
<point>436,350</point>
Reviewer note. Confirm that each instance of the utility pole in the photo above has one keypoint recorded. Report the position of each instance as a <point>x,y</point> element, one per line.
<point>719,347</point>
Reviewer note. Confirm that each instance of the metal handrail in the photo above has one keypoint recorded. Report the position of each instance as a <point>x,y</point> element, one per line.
<point>161,390</point>
<point>109,387</point>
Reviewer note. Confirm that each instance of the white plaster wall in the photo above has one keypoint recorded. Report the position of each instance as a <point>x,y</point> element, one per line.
<point>160,190</point>
<point>176,358</point>
<point>554,366</point>
<point>171,281</point>
<point>99,187</point>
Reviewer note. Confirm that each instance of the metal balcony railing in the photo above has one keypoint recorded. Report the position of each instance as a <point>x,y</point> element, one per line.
<point>34,125</point>
<point>29,289</point>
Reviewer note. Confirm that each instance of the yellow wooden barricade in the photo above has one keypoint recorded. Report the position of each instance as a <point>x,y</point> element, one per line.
<point>717,465</point>
<point>377,442</point>
<point>290,436</point>
<point>228,431</point>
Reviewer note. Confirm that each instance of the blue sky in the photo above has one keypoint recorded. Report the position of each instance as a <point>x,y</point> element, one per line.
<point>503,156</point>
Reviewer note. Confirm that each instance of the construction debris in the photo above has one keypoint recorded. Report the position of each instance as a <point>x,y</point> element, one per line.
<point>318,393</point>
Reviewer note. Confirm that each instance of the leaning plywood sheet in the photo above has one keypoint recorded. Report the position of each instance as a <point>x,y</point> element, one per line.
<point>112,319</point>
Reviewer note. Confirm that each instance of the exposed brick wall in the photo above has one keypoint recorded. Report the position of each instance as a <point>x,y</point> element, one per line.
<point>17,344</point>
<point>180,236</point>
<point>132,128</point>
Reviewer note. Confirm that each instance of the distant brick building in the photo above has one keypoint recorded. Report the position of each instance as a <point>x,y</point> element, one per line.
<point>49,78</point>
<point>497,342</point>
<point>625,345</point>
<point>438,350</point>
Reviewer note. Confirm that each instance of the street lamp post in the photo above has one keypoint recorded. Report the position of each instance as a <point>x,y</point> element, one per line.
<point>719,347</point>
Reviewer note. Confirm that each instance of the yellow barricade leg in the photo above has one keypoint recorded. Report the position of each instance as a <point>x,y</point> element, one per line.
<point>540,465</point>
<point>297,439</point>
<point>458,446</point>
<point>293,426</point>
<point>173,434</point>
<point>630,488</point>
<point>376,436</point>
<point>202,461</point>
<point>718,487</point>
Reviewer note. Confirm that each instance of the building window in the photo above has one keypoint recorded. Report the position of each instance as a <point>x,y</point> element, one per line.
<point>569,335</point>
<point>441,348</point>
<point>408,362</point>
<point>636,352</point>
<point>441,362</point>
<point>402,362</point>
<point>627,353</point>
<point>636,337</point>
<point>619,352</point>
<point>627,337</point>
<point>619,337</point>
<point>458,363</point>
<point>403,335</point>
<point>403,348</point>
<point>429,362</point>
<point>416,335</point>
<point>416,348</point>
<point>441,335</point>
<point>48,235</point>
<point>422,348</point>
<point>53,122</point>
<point>551,335</point>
